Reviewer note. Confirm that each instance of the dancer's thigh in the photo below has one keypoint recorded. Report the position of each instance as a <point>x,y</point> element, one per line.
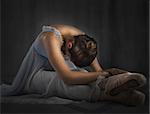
<point>40,81</point>
<point>51,83</point>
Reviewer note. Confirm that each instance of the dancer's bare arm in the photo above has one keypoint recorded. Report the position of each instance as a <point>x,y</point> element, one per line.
<point>53,48</point>
<point>95,65</point>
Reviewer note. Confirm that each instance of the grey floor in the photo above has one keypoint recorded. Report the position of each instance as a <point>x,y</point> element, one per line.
<point>34,104</point>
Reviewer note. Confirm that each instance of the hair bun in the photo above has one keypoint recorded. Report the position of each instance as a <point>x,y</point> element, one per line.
<point>90,45</point>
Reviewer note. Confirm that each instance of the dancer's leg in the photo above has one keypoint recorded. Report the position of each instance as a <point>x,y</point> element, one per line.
<point>50,84</point>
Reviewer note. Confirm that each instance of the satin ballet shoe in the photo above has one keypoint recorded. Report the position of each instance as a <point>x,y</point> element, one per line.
<point>121,82</point>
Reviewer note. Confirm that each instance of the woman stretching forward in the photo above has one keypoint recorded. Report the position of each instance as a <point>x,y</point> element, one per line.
<point>53,67</point>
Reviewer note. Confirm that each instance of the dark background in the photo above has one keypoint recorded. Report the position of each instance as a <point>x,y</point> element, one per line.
<point>119,26</point>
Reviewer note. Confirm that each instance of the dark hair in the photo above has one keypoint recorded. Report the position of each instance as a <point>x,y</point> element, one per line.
<point>83,51</point>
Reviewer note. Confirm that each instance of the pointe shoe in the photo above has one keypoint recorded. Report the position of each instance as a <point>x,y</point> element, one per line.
<point>131,98</point>
<point>122,82</point>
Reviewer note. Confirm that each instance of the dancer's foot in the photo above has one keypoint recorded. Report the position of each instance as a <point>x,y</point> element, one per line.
<point>115,84</point>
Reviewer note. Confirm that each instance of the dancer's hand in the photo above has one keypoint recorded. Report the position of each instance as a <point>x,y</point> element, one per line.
<point>104,74</point>
<point>115,71</point>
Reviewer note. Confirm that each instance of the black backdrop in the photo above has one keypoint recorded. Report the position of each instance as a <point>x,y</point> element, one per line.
<point>119,26</point>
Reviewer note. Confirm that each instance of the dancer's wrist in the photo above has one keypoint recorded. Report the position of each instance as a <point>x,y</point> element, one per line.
<point>104,73</point>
